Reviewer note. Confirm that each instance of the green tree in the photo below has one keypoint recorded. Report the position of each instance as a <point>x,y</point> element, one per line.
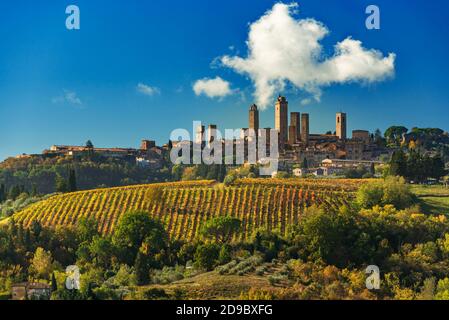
<point>142,269</point>
<point>34,190</point>
<point>378,139</point>
<point>177,172</point>
<point>392,190</point>
<point>135,228</point>
<point>61,184</point>
<point>42,264</point>
<point>2,193</point>
<point>206,256</point>
<point>437,168</point>
<point>54,283</point>
<point>101,251</point>
<point>221,229</point>
<point>87,229</point>
<point>442,290</point>
<point>14,192</point>
<point>398,164</point>
<point>394,134</point>
<point>72,181</point>
<point>225,254</point>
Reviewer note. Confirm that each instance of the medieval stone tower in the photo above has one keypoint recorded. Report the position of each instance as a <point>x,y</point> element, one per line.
<point>341,125</point>
<point>281,120</point>
<point>295,127</point>
<point>305,128</point>
<point>254,118</point>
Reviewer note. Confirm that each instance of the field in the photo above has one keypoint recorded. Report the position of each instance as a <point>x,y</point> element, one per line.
<point>184,206</point>
<point>434,199</point>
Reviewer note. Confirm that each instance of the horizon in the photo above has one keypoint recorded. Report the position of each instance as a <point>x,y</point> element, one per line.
<point>60,86</point>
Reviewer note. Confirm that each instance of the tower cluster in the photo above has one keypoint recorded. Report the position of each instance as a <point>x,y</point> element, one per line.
<point>298,131</point>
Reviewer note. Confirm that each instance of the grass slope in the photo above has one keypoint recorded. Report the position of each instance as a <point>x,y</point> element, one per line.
<point>434,199</point>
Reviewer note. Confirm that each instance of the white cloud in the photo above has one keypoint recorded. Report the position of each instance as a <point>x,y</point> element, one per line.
<point>285,51</point>
<point>147,90</point>
<point>212,88</point>
<point>68,96</point>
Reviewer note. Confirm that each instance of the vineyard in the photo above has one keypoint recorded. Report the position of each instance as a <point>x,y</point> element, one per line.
<point>184,206</point>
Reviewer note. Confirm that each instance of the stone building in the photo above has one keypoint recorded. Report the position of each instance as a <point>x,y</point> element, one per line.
<point>305,129</point>
<point>281,120</point>
<point>30,291</point>
<point>341,126</point>
<point>254,118</point>
<point>296,122</point>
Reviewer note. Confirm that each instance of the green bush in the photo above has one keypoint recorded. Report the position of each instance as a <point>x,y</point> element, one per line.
<point>229,180</point>
<point>392,190</point>
<point>206,256</point>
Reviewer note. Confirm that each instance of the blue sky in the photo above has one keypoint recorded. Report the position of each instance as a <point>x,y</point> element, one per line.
<point>65,87</point>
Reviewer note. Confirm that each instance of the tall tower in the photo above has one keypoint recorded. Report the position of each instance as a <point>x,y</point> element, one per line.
<point>341,125</point>
<point>254,118</point>
<point>292,137</point>
<point>295,122</point>
<point>305,128</point>
<point>281,119</point>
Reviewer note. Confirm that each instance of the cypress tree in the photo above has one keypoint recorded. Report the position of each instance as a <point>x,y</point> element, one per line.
<point>61,184</point>
<point>34,191</point>
<point>2,193</point>
<point>54,284</point>
<point>14,192</point>
<point>72,181</point>
<point>398,164</point>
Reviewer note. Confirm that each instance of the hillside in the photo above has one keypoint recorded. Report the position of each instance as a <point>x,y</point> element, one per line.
<point>184,206</point>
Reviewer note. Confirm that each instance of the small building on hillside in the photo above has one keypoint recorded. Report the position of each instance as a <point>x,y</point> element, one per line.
<point>30,291</point>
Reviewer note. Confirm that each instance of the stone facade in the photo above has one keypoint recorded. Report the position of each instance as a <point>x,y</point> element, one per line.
<point>341,125</point>
<point>254,118</point>
<point>281,119</point>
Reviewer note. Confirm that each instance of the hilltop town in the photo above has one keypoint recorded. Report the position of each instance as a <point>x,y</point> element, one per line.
<point>300,151</point>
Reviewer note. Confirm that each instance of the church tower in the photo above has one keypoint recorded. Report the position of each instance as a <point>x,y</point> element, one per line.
<point>281,120</point>
<point>341,126</point>
<point>254,118</point>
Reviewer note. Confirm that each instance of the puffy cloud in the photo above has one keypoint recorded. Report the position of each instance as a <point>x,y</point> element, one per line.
<point>283,50</point>
<point>147,90</point>
<point>68,96</point>
<point>212,88</point>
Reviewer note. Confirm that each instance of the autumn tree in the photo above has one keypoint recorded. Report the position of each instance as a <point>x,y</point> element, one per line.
<point>42,264</point>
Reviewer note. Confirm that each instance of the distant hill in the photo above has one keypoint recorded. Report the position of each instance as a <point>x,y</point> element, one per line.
<point>184,206</point>
<point>91,172</point>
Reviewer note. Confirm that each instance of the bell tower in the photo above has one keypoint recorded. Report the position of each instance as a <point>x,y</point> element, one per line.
<point>341,126</point>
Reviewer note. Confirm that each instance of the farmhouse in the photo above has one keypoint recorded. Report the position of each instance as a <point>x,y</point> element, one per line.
<point>30,291</point>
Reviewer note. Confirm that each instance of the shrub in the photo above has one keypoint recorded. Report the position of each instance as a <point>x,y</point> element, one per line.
<point>155,294</point>
<point>392,191</point>
<point>230,179</point>
<point>167,275</point>
<point>206,256</point>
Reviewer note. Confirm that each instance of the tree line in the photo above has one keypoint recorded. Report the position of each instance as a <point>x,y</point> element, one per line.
<point>417,167</point>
